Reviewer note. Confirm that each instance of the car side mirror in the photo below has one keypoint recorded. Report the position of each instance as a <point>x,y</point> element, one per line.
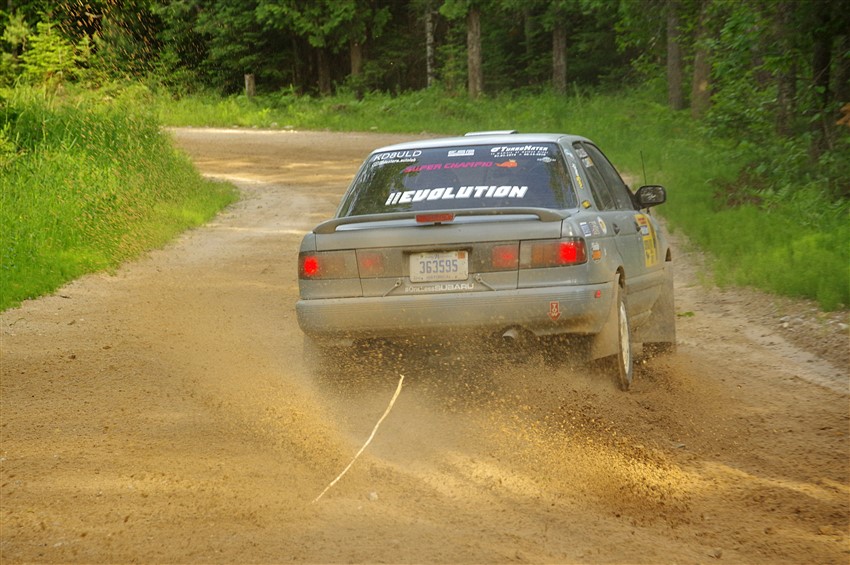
<point>651,195</point>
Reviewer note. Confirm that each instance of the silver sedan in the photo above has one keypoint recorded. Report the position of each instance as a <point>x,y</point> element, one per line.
<point>498,234</point>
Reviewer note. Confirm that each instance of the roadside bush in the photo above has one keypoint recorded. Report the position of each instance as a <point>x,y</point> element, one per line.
<point>87,183</point>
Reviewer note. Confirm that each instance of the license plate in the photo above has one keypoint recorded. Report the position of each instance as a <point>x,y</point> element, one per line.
<point>443,266</point>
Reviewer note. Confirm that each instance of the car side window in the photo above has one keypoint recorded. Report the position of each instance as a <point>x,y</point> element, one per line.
<point>598,186</point>
<point>619,190</point>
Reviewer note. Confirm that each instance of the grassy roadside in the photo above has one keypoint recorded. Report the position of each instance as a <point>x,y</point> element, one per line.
<point>795,243</point>
<point>87,182</point>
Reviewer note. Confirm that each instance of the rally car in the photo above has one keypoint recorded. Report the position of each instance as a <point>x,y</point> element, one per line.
<point>491,234</point>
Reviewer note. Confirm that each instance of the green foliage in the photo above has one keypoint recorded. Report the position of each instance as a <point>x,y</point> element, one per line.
<point>15,37</point>
<point>322,22</point>
<point>91,183</point>
<point>50,58</point>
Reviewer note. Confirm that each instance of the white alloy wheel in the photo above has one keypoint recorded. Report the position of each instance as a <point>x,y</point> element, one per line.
<point>625,366</point>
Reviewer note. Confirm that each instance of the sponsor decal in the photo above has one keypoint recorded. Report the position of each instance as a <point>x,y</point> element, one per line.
<point>468,165</point>
<point>602,225</point>
<point>577,176</point>
<point>441,287</point>
<point>507,164</point>
<point>438,166</point>
<point>462,153</point>
<point>554,310</point>
<point>581,152</point>
<point>396,156</point>
<point>588,162</point>
<point>595,251</point>
<point>449,193</point>
<point>420,168</point>
<point>650,245</point>
<point>585,229</point>
<point>519,150</point>
<point>546,160</point>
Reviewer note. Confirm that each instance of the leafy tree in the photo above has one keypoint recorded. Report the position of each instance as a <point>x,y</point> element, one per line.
<point>701,82</point>
<point>328,26</point>
<point>15,36</point>
<point>471,12</point>
<point>50,58</point>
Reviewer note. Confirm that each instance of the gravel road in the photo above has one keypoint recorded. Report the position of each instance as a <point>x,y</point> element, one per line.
<point>167,413</point>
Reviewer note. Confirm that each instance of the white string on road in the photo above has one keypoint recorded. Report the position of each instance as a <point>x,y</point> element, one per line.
<point>368,441</point>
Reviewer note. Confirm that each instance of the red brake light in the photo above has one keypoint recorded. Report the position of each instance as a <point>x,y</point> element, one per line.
<point>371,264</point>
<point>327,265</point>
<point>572,252</point>
<point>505,257</point>
<point>434,218</point>
<point>559,253</point>
<point>310,266</point>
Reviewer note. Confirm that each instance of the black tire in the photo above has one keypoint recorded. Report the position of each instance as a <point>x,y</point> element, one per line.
<point>623,359</point>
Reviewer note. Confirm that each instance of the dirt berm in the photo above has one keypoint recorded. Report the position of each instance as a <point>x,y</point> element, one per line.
<point>167,413</point>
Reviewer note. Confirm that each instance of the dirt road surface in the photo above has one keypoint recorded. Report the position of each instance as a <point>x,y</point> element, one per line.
<point>167,413</point>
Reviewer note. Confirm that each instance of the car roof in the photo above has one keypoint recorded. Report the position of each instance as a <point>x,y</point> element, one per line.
<point>485,138</point>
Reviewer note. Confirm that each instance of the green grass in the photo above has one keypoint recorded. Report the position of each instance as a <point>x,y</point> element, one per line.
<point>798,246</point>
<point>87,183</point>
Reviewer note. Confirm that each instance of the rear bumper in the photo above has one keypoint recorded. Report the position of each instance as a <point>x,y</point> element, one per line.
<point>542,311</point>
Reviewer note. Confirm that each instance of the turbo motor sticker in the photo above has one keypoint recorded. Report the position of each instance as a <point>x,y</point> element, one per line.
<point>650,245</point>
<point>519,151</point>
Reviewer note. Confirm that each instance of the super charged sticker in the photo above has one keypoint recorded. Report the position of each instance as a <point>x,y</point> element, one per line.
<point>448,166</point>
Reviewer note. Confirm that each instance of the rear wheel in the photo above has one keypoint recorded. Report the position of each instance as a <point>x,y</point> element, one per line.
<point>624,361</point>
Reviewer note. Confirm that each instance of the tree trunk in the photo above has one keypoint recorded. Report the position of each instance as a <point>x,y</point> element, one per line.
<point>675,73</point>
<point>786,91</point>
<point>528,33</point>
<point>356,53</point>
<point>430,57</point>
<point>821,60</point>
<point>250,86</point>
<point>701,85</point>
<point>842,71</point>
<point>324,70</point>
<point>473,47</point>
<point>559,58</point>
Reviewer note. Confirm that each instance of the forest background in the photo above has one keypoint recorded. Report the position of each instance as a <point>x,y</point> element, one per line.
<point>740,107</point>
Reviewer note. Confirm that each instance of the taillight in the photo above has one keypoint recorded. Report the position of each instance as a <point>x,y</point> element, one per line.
<point>434,218</point>
<point>310,266</point>
<point>327,265</point>
<point>370,263</point>
<point>560,253</point>
<point>504,257</point>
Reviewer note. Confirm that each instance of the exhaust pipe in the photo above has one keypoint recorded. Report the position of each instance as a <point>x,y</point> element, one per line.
<point>511,335</point>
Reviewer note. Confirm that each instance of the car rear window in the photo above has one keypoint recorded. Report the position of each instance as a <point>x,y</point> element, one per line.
<point>451,178</point>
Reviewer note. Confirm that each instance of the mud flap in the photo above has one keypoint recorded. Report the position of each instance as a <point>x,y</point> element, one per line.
<point>659,330</point>
<point>605,344</point>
